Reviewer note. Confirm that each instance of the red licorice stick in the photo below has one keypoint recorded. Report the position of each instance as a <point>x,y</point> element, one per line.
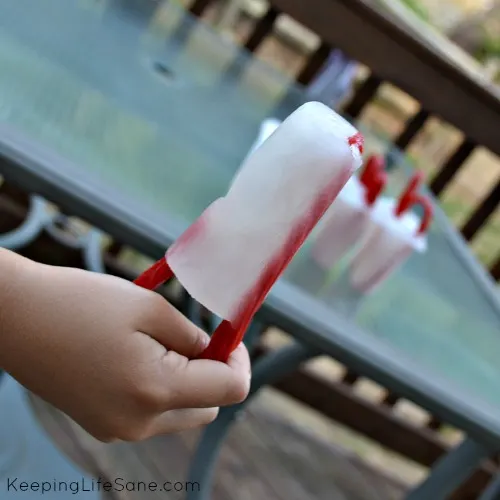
<point>411,197</point>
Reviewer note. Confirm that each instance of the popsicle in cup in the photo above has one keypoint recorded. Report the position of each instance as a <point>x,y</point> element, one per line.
<point>394,234</point>
<point>229,258</point>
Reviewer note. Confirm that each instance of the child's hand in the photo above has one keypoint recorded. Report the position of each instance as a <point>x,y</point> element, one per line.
<point>111,355</point>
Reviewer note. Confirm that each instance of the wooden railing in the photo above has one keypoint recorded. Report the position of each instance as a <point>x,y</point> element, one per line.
<point>395,54</point>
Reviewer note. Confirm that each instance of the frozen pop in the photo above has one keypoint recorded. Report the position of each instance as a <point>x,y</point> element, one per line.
<point>266,128</point>
<point>393,236</point>
<point>346,221</point>
<point>229,258</point>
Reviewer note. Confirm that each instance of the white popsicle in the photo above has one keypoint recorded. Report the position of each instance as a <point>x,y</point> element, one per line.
<point>267,127</point>
<point>242,242</point>
<point>389,243</point>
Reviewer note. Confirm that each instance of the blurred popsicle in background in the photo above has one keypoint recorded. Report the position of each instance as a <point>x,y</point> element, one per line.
<point>394,234</point>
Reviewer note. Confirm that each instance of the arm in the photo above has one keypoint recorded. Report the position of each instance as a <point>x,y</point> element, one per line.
<point>113,356</point>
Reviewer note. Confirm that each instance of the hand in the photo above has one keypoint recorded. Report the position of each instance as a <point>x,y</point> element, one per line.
<point>113,356</point>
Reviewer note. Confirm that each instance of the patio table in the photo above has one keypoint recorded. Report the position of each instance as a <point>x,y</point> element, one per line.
<point>133,116</point>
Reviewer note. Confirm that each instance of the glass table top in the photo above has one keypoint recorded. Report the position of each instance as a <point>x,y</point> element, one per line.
<point>154,109</point>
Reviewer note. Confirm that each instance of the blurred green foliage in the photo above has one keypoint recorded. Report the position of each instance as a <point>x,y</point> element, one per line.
<point>417,8</point>
<point>490,47</point>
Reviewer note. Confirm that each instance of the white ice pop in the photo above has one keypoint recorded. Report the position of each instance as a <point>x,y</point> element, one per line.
<point>274,202</point>
<point>388,244</point>
<point>267,127</point>
<point>228,259</point>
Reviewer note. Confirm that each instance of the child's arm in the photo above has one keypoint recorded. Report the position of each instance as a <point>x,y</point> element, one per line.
<point>111,355</point>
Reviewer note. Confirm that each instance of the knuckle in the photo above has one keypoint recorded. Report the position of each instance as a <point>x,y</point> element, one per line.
<point>152,305</point>
<point>199,340</point>
<point>145,394</point>
<point>238,390</point>
<point>176,363</point>
<point>157,303</point>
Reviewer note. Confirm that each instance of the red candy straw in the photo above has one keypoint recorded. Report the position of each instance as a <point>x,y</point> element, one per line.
<point>411,197</point>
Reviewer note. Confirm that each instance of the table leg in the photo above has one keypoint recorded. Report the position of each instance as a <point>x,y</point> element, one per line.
<point>266,370</point>
<point>451,471</point>
<point>492,492</point>
<point>36,220</point>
